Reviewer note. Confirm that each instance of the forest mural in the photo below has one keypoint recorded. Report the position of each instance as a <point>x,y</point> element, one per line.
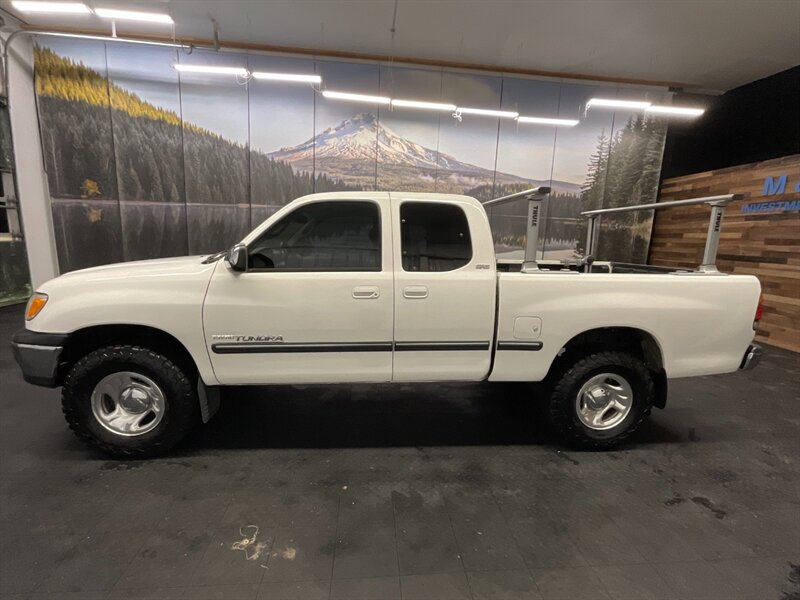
<point>142,163</point>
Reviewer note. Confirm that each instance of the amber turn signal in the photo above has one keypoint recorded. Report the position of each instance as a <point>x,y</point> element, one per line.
<point>35,305</point>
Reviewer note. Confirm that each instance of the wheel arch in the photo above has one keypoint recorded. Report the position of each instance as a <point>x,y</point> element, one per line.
<point>633,340</point>
<point>82,341</point>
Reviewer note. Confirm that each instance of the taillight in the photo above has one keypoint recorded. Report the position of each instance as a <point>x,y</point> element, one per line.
<point>759,311</point>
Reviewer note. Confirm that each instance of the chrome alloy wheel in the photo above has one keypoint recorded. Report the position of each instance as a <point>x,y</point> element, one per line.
<point>604,401</point>
<point>127,403</point>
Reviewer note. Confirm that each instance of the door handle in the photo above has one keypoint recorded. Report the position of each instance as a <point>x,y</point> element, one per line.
<point>366,292</point>
<point>415,292</point>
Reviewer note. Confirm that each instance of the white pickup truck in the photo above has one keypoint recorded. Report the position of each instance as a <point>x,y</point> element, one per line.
<point>374,287</point>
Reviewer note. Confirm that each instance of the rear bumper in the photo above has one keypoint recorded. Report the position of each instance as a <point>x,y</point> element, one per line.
<point>751,358</point>
<point>38,354</point>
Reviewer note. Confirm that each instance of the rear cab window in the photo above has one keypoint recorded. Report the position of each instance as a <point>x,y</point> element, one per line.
<point>434,237</point>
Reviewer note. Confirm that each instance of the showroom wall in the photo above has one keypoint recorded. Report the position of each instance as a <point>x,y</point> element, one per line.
<point>760,235</point>
<point>748,142</point>
<point>752,123</point>
<point>145,162</point>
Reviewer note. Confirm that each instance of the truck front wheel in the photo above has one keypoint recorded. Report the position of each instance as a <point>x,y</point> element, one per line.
<point>601,399</point>
<point>129,401</point>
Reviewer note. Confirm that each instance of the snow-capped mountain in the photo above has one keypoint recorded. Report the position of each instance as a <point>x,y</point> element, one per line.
<point>359,137</point>
<point>347,152</point>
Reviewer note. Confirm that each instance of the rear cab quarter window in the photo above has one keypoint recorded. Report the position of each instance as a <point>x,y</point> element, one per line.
<point>434,236</point>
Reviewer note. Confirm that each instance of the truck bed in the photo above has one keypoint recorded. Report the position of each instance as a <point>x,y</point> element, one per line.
<point>702,323</point>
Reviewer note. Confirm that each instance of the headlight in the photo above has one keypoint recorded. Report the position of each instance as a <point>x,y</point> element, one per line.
<point>35,305</point>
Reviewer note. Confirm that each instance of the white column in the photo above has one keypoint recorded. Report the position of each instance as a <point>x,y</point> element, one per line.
<point>32,191</point>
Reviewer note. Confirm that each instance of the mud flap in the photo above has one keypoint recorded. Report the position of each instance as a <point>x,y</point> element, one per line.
<point>660,379</point>
<point>209,400</point>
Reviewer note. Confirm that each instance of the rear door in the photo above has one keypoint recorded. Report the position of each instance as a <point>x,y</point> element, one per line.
<point>445,285</point>
<point>315,304</point>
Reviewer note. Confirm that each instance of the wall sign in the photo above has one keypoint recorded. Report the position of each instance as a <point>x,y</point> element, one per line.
<point>775,186</point>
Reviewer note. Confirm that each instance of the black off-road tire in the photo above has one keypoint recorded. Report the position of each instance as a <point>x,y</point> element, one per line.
<point>181,412</point>
<point>563,412</point>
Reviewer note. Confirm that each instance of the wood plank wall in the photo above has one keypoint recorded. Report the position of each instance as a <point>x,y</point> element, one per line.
<point>764,244</point>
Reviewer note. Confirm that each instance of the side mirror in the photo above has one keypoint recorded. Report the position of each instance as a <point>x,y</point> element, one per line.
<point>237,257</point>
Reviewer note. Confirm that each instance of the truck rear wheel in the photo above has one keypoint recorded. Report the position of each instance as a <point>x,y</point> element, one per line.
<point>602,399</point>
<point>129,402</point>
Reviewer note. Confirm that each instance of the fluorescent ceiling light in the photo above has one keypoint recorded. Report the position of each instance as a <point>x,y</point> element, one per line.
<point>132,15</point>
<point>487,112</point>
<point>51,7</point>
<point>613,103</point>
<point>210,69</point>
<point>548,121</point>
<point>682,111</point>
<point>426,105</point>
<point>287,77</point>
<point>356,97</point>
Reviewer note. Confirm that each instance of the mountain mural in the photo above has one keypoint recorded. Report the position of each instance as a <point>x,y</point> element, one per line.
<point>132,179</point>
<point>347,152</point>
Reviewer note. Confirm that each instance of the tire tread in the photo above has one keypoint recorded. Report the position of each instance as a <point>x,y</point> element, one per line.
<point>560,406</point>
<point>172,375</point>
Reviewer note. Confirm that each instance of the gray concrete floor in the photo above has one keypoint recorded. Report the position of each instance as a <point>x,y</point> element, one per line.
<point>429,491</point>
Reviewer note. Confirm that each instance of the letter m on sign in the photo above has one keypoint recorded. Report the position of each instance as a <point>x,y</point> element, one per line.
<point>773,187</point>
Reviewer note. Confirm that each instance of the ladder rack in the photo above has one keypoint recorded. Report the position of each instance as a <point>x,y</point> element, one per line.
<point>536,195</point>
<point>717,203</point>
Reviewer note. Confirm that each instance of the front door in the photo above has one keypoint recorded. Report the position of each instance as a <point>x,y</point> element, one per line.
<point>445,286</point>
<point>315,305</point>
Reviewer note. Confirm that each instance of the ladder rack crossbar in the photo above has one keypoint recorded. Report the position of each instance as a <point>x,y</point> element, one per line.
<point>723,200</point>
<point>540,191</point>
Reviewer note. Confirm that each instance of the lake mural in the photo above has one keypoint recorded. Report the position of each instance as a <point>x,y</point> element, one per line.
<point>144,162</point>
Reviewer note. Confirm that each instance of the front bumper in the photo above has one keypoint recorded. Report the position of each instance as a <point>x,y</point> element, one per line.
<point>38,354</point>
<point>751,357</point>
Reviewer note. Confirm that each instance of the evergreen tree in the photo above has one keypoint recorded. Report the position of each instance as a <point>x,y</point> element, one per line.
<point>157,191</point>
<point>594,186</point>
<point>628,175</point>
<point>135,189</point>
